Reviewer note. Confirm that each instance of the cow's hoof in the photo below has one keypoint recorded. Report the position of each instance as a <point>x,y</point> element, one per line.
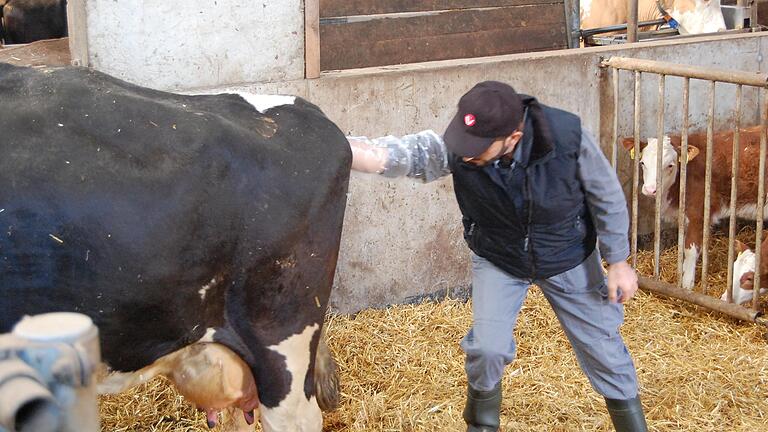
<point>326,377</point>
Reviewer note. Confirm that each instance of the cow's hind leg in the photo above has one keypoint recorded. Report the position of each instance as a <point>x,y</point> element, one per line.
<point>295,411</point>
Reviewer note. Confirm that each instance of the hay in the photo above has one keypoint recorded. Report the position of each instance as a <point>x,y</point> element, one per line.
<point>402,370</point>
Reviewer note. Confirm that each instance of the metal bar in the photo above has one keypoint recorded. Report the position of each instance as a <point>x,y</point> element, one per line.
<point>683,177</point>
<point>760,198</point>
<point>659,172</point>
<point>708,190</point>
<point>660,34</point>
<point>636,169</point>
<point>632,21</point>
<point>734,194</point>
<point>573,23</point>
<point>614,141</point>
<point>730,309</point>
<point>753,19</point>
<point>619,27</point>
<point>722,75</point>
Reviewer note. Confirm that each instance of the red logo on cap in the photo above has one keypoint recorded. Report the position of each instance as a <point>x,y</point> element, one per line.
<point>469,120</point>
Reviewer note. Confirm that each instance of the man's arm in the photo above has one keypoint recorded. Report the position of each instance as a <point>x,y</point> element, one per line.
<point>608,208</point>
<point>422,156</point>
<point>605,199</point>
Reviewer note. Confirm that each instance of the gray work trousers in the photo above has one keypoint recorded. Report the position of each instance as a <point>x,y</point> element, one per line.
<point>579,298</point>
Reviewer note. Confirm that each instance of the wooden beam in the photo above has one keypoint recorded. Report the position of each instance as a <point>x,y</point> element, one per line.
<point>312,38</point>
<point>77,28</point>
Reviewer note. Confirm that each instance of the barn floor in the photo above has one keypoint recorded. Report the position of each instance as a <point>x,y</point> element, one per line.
<point>402,370</point>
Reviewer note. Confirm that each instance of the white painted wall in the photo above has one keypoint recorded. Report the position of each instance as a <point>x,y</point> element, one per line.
<point>185,44</point>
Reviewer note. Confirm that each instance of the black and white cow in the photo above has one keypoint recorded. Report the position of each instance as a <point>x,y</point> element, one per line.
<point>194,230</point>
<point>25,21</point>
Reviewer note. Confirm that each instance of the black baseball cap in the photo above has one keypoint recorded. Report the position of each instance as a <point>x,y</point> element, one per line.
<point>488,111</point>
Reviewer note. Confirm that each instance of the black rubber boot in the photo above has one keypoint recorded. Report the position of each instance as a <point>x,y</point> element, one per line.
<point>627,415</point>
<point>483,409</point>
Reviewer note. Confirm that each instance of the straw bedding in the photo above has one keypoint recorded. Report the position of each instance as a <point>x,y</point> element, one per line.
<point>402,369</point>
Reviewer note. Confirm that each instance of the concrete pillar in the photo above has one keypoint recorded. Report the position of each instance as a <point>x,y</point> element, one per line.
<point>182,44</point>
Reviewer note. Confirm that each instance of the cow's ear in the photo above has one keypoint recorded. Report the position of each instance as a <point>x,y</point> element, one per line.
<point>693,151</point>
<point>629,144</point>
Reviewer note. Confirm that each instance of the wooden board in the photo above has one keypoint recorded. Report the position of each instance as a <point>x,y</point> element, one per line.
<point>377,40</point>
<point>336,8</point>
<point>51,52</point>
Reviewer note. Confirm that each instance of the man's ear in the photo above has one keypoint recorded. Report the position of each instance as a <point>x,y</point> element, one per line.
<point>513,138</point>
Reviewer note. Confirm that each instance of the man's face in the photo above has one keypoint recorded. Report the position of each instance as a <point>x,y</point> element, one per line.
<point>499,148</point>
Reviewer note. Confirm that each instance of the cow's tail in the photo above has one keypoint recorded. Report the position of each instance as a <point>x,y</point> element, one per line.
<point>118,382</point>
<point>326,377</point>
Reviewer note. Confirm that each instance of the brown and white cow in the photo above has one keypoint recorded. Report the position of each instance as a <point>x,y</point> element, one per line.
<point>199,232</point>
<point>749,151</point>
<point>693,16</point>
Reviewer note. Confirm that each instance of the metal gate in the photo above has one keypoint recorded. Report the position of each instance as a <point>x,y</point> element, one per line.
<point>640,67</point>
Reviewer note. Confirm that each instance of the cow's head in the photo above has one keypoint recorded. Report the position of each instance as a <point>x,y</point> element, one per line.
<point>743,274</point>
<point>697,16</point>
<point>669,162</point>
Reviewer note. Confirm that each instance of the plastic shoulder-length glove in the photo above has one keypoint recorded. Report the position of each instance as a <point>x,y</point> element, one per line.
<point>421,155</point>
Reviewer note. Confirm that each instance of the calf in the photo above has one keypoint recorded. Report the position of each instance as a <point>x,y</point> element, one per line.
<point>744,273</point>
<point>749,152</point>
<point>25,21</point>
<point>693,16</point>
<point>195,230</point>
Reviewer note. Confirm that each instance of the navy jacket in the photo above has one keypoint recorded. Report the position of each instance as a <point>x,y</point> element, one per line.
<point>531,220</point>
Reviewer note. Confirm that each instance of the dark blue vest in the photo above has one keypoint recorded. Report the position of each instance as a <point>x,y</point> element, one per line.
<point>538,226</point>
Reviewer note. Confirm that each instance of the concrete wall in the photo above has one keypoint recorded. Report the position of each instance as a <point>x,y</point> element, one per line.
<point>181,44</point>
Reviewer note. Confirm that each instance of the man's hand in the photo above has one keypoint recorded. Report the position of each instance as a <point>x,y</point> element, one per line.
<point>366,157</point>
<point>621,276</point>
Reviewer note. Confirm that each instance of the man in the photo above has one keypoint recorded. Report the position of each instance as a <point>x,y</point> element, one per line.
<point>536,195</point>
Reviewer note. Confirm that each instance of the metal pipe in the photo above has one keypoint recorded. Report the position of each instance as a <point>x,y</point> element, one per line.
<point>659,172</point>
<point>722,75</point>
<point>730,309</point>
<point>614,142</point>
<point>734,194</point>
<point>760,199</point>
<point>632,21</point>
<point>708,190</point>
<point>636,169</point>
<point>573,23</point>
<point>683,179</point>
<point>619,27</point>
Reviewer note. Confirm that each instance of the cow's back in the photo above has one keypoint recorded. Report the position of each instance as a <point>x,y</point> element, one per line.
<point>603,13</point>
<point>154,213</point>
